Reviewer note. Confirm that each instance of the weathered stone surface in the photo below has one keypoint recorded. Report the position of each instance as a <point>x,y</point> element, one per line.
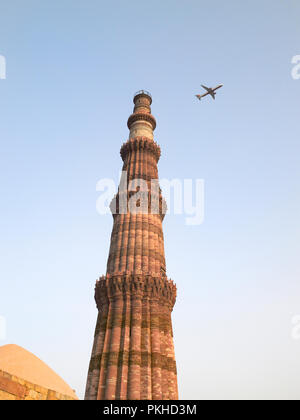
<point>15,388</point>
<point>108,288</point>
<point>21,366</point>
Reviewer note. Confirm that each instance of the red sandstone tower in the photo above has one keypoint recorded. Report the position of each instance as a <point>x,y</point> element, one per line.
<point>133,353</point>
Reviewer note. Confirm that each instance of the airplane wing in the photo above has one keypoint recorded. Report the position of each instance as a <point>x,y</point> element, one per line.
<point>206,88</point>
<point>213,95</point>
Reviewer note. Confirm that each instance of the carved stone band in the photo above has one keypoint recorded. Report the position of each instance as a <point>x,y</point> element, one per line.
<point>133,286</point>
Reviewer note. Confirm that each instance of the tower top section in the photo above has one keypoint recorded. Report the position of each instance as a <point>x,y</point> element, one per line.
<point>143,93</point>
<point>141,122</point>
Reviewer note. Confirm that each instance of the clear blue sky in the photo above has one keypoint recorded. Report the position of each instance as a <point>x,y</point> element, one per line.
<point>72,69</point>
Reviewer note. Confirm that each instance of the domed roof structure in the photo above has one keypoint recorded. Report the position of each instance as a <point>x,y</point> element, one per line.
<point>21,363</point>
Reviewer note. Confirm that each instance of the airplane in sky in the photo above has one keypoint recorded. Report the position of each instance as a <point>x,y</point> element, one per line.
<point>210,91</point>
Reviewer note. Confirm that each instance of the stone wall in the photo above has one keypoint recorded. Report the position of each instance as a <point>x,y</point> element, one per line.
<point>14,388</point>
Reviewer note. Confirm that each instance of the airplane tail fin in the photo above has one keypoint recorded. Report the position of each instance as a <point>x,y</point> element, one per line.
<point>199,97</point>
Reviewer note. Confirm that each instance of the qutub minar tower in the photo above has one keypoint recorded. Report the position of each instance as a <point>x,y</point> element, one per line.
<point>133,353</point>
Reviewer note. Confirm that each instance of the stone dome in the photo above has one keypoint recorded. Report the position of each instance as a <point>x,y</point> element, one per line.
<point>21,363</point>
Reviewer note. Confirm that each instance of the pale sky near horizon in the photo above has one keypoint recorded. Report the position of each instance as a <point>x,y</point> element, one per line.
<point>72,70</point>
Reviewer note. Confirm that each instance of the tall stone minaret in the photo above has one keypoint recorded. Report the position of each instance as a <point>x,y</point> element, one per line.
<point>133,353</point>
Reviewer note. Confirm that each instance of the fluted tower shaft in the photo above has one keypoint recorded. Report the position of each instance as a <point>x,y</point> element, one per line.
<point>133,352</point>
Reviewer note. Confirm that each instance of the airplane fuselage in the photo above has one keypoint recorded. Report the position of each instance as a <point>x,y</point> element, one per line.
<point>209,91</point>
<point>214,89</point>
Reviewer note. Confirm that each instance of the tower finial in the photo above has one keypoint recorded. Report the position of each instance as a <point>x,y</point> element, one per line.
<point>143,93</point>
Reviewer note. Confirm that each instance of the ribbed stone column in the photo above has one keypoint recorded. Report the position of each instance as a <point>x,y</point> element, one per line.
<point>134,373</point>
<point>124,353</point>
<point>133,352</point>
<point>114,348</point>
<point>155,352</point>
<point>146,383</point>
